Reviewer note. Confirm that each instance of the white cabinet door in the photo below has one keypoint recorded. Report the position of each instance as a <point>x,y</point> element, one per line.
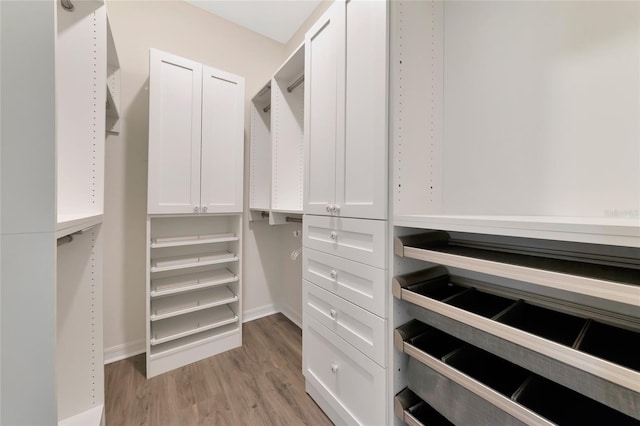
<point>361,163</point>
<point>346,111</point>
<point>324,89</point>
<point>222,142</point>
<point>175,86</point>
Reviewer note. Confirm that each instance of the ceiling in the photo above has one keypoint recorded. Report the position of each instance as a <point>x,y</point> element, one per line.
<point>276,19</point>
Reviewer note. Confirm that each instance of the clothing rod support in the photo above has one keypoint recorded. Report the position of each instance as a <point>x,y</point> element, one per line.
<point>296,83</point>
<point>293,219</point>
<point>67,5</point>
<point>264,90</point>
<point>267,108</point>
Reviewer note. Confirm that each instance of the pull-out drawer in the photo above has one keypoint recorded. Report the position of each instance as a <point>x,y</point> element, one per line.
<point>360,328</point>
<point>356,282</point>
<point>356,239</point>
<point>353,385</point>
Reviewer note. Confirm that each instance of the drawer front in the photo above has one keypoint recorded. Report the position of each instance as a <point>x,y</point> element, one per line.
<point>353,384</point>
<point>358,327</point>
<point>356,282</point>
<point>361,240</point>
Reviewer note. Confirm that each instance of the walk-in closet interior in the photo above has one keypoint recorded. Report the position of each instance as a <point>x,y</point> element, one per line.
<point>392,212</point>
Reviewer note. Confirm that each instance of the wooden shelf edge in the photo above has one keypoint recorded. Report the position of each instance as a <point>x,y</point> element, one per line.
<point>69,224</point>
<point>220,302</point>
<point>222,323</point>
<point>194,265</point>
<point>186,289</point>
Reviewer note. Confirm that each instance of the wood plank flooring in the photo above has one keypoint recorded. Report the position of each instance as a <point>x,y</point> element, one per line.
<point>260,383</point>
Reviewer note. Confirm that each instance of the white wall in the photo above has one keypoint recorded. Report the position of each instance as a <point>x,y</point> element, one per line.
<point>181,29</point>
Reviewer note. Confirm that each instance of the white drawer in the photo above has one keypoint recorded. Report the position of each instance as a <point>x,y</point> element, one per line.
<point>358,327</point>
<point>361,240</point>
<point>350,382</point>
<point>356,282</point>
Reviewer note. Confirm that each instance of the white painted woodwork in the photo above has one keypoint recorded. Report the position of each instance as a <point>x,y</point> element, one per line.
<point>260,151</point>
<point>356,239</point>
<point>515,129</point>
<point>113,85</point>
<point>194,288</point>
<point>362,329</point>
<point>346,112</point>
<point>354,384</point>
<point>196,137</point>
<point>361,164</point>
<point>322,100</point>
<point>175,117</point>
<point>287,154</point>
<point>363,285</point>
<point>222,161</point>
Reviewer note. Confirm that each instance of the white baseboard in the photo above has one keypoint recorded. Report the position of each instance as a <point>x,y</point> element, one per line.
<point>126,350</point>
<point>291,314</point>
<point>255,313</point>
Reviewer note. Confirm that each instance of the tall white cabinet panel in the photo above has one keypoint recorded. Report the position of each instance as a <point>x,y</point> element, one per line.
<point>196,144</point>
<point>346,136</point>
<point>322,99</point>
<point>222,141</point>
<point>175,117</point>
<point>194,223</point>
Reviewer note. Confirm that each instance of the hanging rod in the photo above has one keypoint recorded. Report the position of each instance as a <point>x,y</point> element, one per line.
<point>67,5</point>
<point>68,238</point>
<point>293,219</point>
<point>296,83</point>
<point>264,90</point>
<point>267,108</point>
<point>264,214</point>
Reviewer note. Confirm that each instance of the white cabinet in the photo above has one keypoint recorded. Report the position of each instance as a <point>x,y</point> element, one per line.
<point>193,289</point>
<point>346,111</point>
<point>196,141</point>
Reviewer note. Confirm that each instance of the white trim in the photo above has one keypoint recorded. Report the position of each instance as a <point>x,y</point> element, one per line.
<point>255,313</point>
<point>291,314</point>
<point>123,351</point>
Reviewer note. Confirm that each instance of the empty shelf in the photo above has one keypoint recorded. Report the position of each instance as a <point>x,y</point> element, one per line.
<point>566,407</point>
<point>191,261</point>
<point>616,284</point>
<point>161,242</point>
<point>193,340</point>
<point>541,341</point>
<point>184,325</point>
<point>185,283</point>
<point>415,412</point>
<point>185,303</point>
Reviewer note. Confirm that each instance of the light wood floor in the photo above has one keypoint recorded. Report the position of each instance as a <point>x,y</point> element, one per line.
<point>260,383</point>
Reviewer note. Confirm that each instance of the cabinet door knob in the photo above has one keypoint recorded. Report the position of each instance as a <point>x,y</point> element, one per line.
<point>204,209</point>
<point>334,274</point>
<point>333,314</point>
<point>334,235</point>
<point>196,209</point>
<point>328,208</point>
<point>334,368</point>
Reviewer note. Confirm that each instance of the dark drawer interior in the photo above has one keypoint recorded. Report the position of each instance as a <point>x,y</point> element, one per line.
<point>427,415</point>
<point>566,407</point>
<point>483,304</point>
<point>497,373</point>
<point>613,344</point>
<point>435,342</point>
<point>439,289</point>
<point>557,326</point>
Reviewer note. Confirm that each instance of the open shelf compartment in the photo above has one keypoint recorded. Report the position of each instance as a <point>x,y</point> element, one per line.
<point>166,307</point>
<point>185,325</point>
<point>189,282</point>
<point>162,242</point>
<point>172,263</point>
<point>412,410</point>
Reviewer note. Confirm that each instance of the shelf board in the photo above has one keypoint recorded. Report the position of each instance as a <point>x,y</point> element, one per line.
<point>185,283</point>
<point>622,231</point>
<point>191,261</point>
<point>193,323</point>
<point>189,342</point>
<point>68,224</point>
<point>92,416</point>
<point>185,303</point>
<point>162,242</point>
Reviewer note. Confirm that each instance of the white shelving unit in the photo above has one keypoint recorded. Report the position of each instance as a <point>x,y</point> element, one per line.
<point>548,147</point>
<point>52,352</point>
<point>193,288</point>
<point>277,137</point>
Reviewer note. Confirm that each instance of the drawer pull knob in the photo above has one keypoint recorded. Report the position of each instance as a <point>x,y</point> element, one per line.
<point>333,313</point>
<point>335,209</point>
<point>334,368</point>
<point>328,208</point>
<point>334,275</point>
<point>196,209</point>
<point>334,235</point>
